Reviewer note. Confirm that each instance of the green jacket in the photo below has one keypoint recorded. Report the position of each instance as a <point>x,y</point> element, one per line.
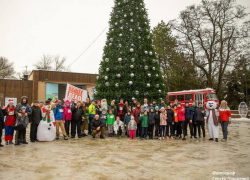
<point>110,119</point>
<point>92,109</point>
<point>144,120</point>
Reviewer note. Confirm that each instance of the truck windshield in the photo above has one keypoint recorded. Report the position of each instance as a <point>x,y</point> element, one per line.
<point>211,96</point>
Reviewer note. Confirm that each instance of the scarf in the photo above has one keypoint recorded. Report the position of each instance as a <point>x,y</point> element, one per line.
<point>47,116</point>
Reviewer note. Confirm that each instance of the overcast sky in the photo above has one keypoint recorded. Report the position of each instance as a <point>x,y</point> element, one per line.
<point>31,28</point>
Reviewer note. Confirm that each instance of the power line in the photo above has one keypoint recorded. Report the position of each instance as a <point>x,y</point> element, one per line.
<point>88,47</point>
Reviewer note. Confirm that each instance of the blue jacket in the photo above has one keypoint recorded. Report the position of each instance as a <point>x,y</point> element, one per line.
<point>189,113</point>
<point>194,113</point>
<point>103,118</point>
<point>58,112</point>
<point>127,119</point>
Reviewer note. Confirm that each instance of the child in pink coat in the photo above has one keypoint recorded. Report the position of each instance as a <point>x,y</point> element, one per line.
<point>67,115</point>
<point>163,122</point>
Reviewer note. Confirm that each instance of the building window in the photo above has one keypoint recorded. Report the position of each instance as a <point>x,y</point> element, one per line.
<point>188,97</point>
<point>172,98</point>
<point>180,97</point>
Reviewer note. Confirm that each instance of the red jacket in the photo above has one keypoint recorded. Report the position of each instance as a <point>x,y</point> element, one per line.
<point>135,114</point>
<point>11,118</point>
<point>181,113</point>
<point>67,113</point>
<point>224,114</point>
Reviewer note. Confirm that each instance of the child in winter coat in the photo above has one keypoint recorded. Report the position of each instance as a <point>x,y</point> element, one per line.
<point>67,115</point>
<point>170,122</point>
<point>176,128</point>
<point>110,123</point>
<point>118,127</point>
<point>163,123</point>
<point>157,121</point>
<point>136,113</point>
<point>132,126</point>
<point>126,121</point>
<point>151,122</point>
<point>10,121</point>
<point>22,121</point>
<point>181,119</point>
<point>144,125</point>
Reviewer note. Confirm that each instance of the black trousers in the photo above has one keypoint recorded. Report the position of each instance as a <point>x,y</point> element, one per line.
<point>33,131</point>
<point>201,125</point>
<point>1,133</point>
<point>169,129</point>
<point>22,133</point>
<point>157,129</point>
<point>151,130</point>
<point>119,132</point>
<point>144,132</point>
<point>177,129</point>
<point>190,127</point>
<point>138,131</point>
<point>182,124</point>
<point>195,129</point>
<point>67,124</point>
<point>76,125</point>
<point>89,127</point>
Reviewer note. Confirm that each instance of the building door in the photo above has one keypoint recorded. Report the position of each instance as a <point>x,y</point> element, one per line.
<point>199,98</point>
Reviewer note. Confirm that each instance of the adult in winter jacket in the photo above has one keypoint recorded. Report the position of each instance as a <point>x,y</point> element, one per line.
<point>151,122</point>
<point>181,119</point>
<point>35,119</point>
<point>225,117</point>
<point>200,121</point>
<point>188,119</point>
<point>24,121</point>
<point>162,104</point>
<point>2,114</point>
<point>18,112</point>
<point>58,114</point>
<point>194,119</point>
<point>10,121</point>
<point>144,124</point>
<point>92,112</point>
<point>77,114</point>
<point>133,106</point>
<point>145,105</point>
<point>126,121</point>
<point>67,115</point>
<point>136,113</point>
<point>163,123</point>
<point>97,127</point>
<point>157,121</point>
<point>85,119</point>
<point>170,122</point>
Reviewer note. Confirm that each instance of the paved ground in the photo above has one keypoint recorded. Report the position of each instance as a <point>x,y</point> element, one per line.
<point>112,158</point>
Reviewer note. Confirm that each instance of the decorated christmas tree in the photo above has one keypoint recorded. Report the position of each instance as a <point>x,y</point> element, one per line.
<point>129,67</point>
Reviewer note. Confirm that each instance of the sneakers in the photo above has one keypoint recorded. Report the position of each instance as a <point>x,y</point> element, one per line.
<point>94,137</point>
<point>65,138</point>
<point>159,138</point>
<point>192,137</point>
<point>57,137</point>
<point>24,142</point>
<point>32,140</point>
<point>216,140</point>
<point>223,140</point>
<point>184,139</point>
<point>17,143</point>
<point>102,137</point>
<point>163,137</point>
<point>141,138</point>
<point>211,139</point>
<point>1,145</point>
<point>6,143</point>
<point>72,136</point>
<point>119,137</point>
<point>145,138</point>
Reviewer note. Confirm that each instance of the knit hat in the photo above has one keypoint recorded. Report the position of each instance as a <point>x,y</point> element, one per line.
<point>129,111</point>
<point>132,118</point>
<point>41,102</point>
<point>186,102</point>
<point>96,115</point>
<point>110,110</point>
<point>156,107</point>
<point>36,101</point>
<point>92,100</point>
<point>162,108</point>
<point>117,117</point>
<point>59,101</point>
<point>104,109</point>
<point>47,102</point>
<point>98,100</point>
<point>23,108</point>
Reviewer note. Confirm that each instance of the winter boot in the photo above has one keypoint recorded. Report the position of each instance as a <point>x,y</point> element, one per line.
<point>211,139</point>
<point>17,143</point>
<point>57,137</point>
<point>65,138</point>
<point>102,137</point>
<point>10,142</point>
<point>216,140</point>
<point>6,143</point>
<point>24,142</point>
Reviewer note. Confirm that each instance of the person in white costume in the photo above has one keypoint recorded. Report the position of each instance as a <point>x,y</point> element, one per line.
<point>46,130</point>
<point>212,120</point>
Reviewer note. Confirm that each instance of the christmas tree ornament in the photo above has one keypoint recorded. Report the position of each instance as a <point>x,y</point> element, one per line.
<point>131,14</point>
<point>132,75</point>
<point>116,23</point>
<point>120,35</point>
<point>156,75</point>
<point>120,59</point>
<point>118,75</point>
<point>97,77</point>
<point>121,21</point>
<point>150,53</point>
<point>131,50</point>
<point>146,67</point>
<point>131,66</point>
<point>125,15</point>
<point>149,75</point>
<point>137,92</point>
<point>130,82</point>
<point>107,69</point>
<point>157,85</point>
<point>139,37</point>
<point>110,44</point>
<point>133,60</point>
<point>130,29</point>
<point>107,59</point>
<point>159,91</point>
<point>120,45</point>
<point>121,28</point>
<point>148,85</point>
<point>107,83</point>
<point>153,68</point>
<point>146,52</point>
<point>106,78</point>
<point>131,20</point>
<point>116,84</point>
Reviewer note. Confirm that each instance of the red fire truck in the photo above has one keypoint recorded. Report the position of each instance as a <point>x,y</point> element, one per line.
<point>198,95</point>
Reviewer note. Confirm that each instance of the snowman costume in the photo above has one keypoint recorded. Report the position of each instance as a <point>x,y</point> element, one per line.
<point>212,119</point>
<point>46,130</point>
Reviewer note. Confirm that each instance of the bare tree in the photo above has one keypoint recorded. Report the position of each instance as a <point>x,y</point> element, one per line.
<point>48,62</point>
<point>6,68</point>
<point>211,36</point>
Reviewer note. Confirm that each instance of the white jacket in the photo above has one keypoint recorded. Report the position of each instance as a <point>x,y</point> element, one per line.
<point>117,124</point>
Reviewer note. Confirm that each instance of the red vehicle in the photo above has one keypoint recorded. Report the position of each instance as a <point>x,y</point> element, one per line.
<point>198,95</point>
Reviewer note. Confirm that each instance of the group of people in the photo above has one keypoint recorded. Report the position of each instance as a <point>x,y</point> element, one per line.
<point>144,120</point>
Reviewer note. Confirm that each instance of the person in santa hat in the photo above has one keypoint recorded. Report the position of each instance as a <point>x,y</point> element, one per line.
<point>97,126</point>
<point>10,121</point>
